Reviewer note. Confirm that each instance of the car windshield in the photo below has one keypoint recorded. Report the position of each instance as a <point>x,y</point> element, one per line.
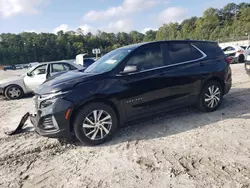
<point>108,61</point>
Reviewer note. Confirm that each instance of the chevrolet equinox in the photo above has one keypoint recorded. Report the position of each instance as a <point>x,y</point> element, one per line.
<point>129,83</point>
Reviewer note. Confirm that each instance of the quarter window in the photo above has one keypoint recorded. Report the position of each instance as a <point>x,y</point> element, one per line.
<point>148,57</point>
<point>182,52</point>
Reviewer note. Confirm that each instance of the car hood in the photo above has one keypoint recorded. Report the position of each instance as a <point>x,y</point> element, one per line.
<point>63,82</point>
<point>11,79</point>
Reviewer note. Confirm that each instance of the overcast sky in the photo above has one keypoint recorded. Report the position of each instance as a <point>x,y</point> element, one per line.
<point>91,15</point>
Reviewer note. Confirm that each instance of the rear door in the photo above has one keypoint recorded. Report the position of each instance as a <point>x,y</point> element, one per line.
<point>60,67</point>
<point>184,73</point>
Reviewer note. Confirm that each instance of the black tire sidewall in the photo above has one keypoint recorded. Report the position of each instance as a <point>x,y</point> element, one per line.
<point>241,58</point>
<point>203,105</point>
<point>80,117</point>
<point>11,86</point>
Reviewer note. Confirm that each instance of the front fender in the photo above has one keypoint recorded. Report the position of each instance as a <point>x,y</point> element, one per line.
<point>18,82</point>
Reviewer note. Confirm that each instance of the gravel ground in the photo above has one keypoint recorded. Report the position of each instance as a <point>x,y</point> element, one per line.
<point>187,148</point>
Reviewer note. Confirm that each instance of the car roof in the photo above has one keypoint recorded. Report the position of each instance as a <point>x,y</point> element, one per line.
<point>134,46</point>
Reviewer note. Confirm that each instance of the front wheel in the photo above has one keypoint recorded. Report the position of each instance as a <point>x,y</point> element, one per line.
<point>13,92</point>
<point>95,124</point>
<point>210,96</point>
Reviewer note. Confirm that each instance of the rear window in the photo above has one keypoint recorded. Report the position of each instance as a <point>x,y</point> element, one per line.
<point>182,52</point>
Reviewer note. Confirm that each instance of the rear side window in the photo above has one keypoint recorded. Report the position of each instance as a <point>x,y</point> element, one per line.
<point>182,52</point>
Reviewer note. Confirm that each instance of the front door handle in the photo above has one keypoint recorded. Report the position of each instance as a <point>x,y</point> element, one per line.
<point>202,64</point>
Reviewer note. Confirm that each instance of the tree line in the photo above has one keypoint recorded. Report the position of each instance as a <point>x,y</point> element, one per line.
<point>225,24</point>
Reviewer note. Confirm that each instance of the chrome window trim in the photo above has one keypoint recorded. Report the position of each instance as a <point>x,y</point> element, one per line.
<point>181,63</point>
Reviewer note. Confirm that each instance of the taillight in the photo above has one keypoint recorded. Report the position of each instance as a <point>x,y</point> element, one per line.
<point>228,60</point>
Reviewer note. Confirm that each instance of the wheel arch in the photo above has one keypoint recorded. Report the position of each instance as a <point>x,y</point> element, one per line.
<point>12,84</point>
<point>97,100</point>
<point>217,79</point>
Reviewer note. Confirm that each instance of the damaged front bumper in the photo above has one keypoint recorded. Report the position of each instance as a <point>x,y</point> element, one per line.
<point>51,121</point>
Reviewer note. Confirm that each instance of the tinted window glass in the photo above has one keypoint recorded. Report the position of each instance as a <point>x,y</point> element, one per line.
<point>147,58</point>
<point>211,49</point>
<point>182,52</point>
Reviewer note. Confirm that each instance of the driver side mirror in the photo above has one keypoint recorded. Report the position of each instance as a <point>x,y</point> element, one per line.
<point>29,74</point>
<point>129,69</point>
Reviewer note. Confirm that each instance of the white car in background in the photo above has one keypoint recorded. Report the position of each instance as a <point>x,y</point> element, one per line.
<point>16,87</point>
<point>247,51</point>
<point>237,54</point>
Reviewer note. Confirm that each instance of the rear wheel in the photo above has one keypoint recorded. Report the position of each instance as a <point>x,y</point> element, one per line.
<point>210,96</point>
<point>95,124</point>
<point>241,58</point>
<point>13,92</point>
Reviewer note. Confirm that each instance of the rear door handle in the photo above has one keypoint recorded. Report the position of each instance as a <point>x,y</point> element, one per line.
<point>202,64</point>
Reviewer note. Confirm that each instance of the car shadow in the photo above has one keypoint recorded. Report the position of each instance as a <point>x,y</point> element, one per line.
<point>181,120</point>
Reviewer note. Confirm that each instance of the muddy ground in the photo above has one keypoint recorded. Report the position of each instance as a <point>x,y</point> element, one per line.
<point>184,148</point>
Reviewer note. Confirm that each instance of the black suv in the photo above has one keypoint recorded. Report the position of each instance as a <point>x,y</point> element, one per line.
<point>129,83</point>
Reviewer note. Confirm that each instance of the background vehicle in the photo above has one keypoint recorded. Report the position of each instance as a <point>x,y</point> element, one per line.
<point>84,60</point>
<point>236,53</point>
<point>9,67</point>
<point>132,82</point>
<point>16,87</point>
<point>247,51</point>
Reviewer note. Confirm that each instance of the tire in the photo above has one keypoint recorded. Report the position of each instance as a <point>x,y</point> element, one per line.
<point>13,92</point>
<point>95,133</point>
<point>206,103</point>
<point>241,58</point>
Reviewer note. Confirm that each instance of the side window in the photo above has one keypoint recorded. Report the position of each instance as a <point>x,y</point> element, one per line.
<point>57,67</point>
<point>147,58</point>
<point>39,70</point>
<point>181,52</point>
<point>228,49</point>
<point>69,67</point>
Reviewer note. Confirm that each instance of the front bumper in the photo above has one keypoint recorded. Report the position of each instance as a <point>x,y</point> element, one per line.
<point>51,121</point>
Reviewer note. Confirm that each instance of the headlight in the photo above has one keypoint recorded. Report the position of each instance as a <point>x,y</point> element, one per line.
<point>49,99</point>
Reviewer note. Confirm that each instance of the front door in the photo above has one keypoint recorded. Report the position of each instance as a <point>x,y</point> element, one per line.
<point>143,90</point>
<point>35,78</point>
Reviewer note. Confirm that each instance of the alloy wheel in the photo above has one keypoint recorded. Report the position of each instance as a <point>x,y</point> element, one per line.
<point>212,96</point>
<point>97,124</point>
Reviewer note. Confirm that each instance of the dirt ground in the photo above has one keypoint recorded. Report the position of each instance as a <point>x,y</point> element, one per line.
<point>184,148</point>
